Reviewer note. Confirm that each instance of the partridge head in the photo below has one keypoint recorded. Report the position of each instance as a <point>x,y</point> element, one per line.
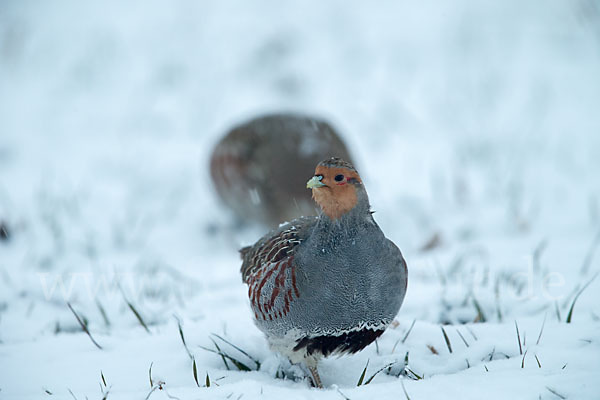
<point>337,188</point>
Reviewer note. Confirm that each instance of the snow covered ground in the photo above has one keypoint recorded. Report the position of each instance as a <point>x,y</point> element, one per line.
<point>476,129</point>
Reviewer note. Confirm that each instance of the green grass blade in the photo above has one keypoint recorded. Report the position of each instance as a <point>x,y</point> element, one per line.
<point>570,315</point>
<point>378,371</point>
<point>84,326</point>
<point>446,339</point>
<point>404,390</point>
<point>519,338</point>
<point>103,313</point>
<point>195,371</point>
<point>239,349</point>
<point>183,339</point>
<point>480,315</point>
<point>137,315</point>
<point>239,365</point>
<point>409,330</point>
<point>222,357</point>
<point>541,330</point>
<point>523,360</point>
<point>150,374</point>
<point>362,376</point>
<point>554,392</point>
<point>462,337</point>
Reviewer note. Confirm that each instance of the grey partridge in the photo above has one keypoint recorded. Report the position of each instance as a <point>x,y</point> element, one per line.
<point>327,284</point>
<point>259,167</point>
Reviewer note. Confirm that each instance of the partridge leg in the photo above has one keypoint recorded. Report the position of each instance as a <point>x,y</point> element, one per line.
<point>315,376</point>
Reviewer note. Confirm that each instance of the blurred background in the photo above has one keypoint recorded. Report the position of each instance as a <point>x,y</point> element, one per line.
<point>475,126</point>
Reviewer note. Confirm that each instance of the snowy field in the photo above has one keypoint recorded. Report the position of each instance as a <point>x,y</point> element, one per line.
<point>475,126</point>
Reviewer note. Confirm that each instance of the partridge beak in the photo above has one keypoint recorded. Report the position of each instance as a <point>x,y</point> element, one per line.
<point>315,182</point>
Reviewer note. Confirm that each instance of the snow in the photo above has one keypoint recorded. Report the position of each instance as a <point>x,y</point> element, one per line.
<point>473,121</point>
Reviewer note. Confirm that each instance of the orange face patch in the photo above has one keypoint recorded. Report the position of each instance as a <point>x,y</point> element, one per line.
<point>338,196</point>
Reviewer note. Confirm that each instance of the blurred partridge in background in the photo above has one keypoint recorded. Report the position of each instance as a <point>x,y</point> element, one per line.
<point>329,284</point>
<point>259,168</point>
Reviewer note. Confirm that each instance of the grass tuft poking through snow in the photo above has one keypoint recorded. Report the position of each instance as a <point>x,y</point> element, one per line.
<point>225,356</point>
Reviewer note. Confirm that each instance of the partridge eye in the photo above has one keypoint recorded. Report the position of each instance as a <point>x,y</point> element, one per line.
<point>339,178</point>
